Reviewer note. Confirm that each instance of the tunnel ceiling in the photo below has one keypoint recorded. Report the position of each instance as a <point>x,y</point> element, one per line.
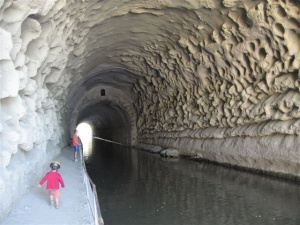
<point>172,65</point>
<point>193,64</point>
<point>104,115</point>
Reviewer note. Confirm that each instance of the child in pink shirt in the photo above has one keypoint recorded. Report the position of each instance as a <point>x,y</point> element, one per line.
<point>53,179</point>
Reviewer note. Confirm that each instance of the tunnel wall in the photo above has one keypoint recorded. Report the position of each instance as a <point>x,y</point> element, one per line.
<point>31,61</point>
<point>275,154</point>
<point>270,147</point>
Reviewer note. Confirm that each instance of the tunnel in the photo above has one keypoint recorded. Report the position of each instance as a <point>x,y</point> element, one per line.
<point>102,99</point>
<point>214,80</point>
<point>108,121</point>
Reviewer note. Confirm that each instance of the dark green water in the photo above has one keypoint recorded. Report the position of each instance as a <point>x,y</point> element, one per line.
<point>136,187</point>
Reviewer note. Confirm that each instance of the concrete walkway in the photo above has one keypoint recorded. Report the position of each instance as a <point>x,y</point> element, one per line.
<point>34,208</point>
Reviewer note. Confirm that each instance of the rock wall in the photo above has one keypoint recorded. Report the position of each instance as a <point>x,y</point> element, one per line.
<point>31,61</point>
<point>242,71</point>
<point>228,86</point>
<point>265,148</point>
<point>214,79</point>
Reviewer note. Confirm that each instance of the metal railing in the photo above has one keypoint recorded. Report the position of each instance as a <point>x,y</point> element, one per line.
<point>110,141</point>
<point>91,195</point>
<point>92,191</point>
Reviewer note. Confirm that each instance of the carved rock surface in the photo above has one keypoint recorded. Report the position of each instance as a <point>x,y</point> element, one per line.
<point>213,79</point>
<point>171,153</point>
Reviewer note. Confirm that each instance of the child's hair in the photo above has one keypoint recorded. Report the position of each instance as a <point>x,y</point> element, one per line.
<point>55,165</point>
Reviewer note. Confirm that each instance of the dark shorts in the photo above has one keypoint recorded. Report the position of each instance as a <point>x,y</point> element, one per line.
<point>76,148</point>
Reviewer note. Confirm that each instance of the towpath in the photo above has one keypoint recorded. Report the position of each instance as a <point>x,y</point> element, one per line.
<point>74,208</point>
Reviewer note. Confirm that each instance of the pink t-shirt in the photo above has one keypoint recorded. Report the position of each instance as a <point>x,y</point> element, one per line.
<point>53,179</point>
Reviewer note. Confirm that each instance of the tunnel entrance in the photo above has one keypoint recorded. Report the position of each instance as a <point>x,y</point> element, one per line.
<point>106,120</point>
<point>85,132</point>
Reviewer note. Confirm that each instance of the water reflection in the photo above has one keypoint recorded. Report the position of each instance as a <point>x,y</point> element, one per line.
<point>136,187</point>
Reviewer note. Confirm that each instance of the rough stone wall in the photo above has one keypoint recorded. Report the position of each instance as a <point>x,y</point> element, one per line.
<point>243,70</point>
<point>32,59</point>
<point>214,79</point>
<point>234,78</point>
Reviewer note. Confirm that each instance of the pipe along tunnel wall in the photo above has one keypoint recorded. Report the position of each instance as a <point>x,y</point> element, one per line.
<point>215,80</point>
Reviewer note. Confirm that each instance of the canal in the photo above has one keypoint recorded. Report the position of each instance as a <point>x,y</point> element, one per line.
<point>136,187</point>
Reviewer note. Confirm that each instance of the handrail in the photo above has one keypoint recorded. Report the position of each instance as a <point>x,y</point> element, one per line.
<point>94,207</point>
<point>97,209</point>
<point>110,141</point>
